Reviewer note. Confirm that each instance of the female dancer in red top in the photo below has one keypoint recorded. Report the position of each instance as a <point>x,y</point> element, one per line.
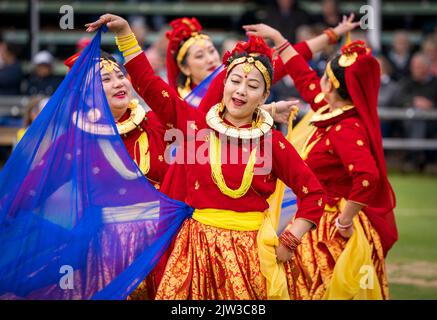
<point>229,248</point>
<point>345,152</point>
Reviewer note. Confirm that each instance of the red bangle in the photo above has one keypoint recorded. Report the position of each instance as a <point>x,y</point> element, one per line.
<point>282,47</point>
<point>333,38</point>
<point>289,240</point>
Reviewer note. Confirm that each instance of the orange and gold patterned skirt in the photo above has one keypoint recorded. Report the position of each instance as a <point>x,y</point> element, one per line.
<point>214,263</point>
<point>319,250</point>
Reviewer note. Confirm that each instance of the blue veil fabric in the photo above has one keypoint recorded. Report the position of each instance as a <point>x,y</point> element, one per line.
<point>78,220</point>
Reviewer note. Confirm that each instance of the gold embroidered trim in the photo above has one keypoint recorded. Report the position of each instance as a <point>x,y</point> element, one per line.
<point>329,115</point>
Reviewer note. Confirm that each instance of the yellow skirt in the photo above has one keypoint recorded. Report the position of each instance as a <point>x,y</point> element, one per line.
<point>215,263</point>
<point>321,249</point>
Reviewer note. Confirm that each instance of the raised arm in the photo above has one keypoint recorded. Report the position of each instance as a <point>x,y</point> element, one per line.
<point>292,63</point>
<point>310,47</point>
<point>171,110</point>
<point>327,38</point>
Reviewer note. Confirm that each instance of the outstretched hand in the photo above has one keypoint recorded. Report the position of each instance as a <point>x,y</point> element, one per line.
<point>346,25</point>
<point>115,24</point>
<point>264,31</point>
<point>284,109</point>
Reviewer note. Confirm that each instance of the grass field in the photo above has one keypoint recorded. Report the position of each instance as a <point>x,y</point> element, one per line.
<point>412,263</point>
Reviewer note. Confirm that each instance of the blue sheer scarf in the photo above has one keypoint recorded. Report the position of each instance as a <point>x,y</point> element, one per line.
<point>78,220</point>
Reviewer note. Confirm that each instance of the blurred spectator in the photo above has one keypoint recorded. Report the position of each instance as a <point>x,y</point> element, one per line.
<point>419,91</point>
<point>35,106</point>
<point>156,54</point>
<point>10,70</point>
<point>140,30</point>
<point>157,61</point>
<point>318,63</point>
<point>429,48</point>
<point>400,54</point>
<point>330,13</point>
<point>82,43</point>
<point>286,16</point>
<point>228,45</point>
<point>386,97</point>
<point>42,79</point>
<point>388,87</point>
<point>304,33</point>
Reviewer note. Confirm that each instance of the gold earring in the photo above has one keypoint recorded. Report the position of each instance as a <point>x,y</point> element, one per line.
<point>258,114</point>
<point>188,83</point>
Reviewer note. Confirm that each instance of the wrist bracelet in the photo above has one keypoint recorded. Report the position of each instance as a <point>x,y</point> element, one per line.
<point>332,36</point>
<point>127,44</point>
<point>289,240</point>
<point>342,226</point>
<point>282,46</point>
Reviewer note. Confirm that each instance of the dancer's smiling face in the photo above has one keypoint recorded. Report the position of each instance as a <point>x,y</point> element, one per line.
<point>201,60</point>
<point>118,90</point>
<point>243,93</point>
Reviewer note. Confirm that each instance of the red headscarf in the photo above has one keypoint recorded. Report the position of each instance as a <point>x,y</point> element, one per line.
<point>363,82</point>
<point>69,62</point>
<point>215,92</point>
<point>182,29</point>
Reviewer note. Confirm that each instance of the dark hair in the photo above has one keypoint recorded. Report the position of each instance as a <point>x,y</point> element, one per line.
<point>339,73</point>
<point>263,59</point>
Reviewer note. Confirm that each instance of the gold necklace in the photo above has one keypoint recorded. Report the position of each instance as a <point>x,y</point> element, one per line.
<point>216,169</point>
<point>137,115</point>
<point>262,126</point>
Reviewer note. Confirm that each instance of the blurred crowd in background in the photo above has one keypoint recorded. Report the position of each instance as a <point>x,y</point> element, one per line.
<point>408,78</point>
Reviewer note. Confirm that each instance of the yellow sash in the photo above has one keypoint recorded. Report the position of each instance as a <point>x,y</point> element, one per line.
<point>229,219</point>
<point>354,276</point>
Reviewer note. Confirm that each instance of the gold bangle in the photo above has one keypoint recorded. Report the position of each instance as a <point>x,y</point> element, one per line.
<point>127,43</point>
<point>131,51</point>
<point>122,38</point>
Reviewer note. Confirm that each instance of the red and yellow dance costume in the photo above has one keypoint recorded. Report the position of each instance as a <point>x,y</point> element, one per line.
<point>184,33</point>
<point>210,262</point>
<point>344,151</point>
